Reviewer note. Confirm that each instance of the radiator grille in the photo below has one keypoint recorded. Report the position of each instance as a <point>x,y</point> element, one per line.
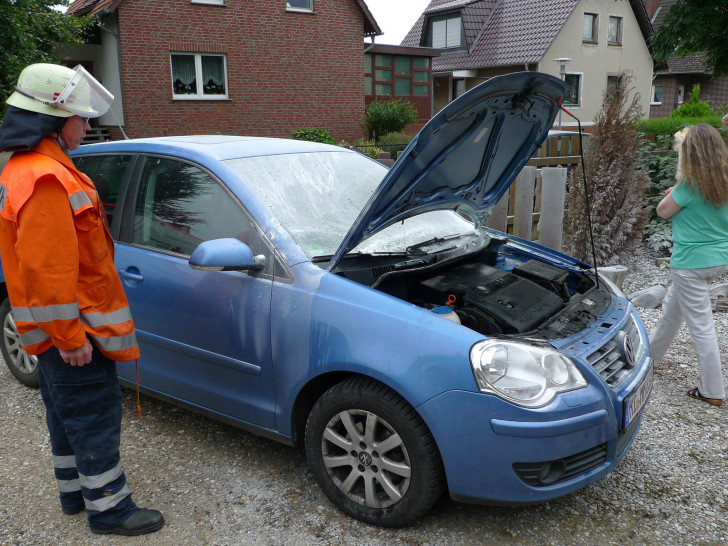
<point>616,359</point>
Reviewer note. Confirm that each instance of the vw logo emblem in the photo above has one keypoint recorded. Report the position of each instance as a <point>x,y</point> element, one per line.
<point>629,350</point>
<point>365,458</point>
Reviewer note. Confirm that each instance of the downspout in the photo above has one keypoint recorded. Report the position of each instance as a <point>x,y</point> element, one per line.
<point>115,35</point>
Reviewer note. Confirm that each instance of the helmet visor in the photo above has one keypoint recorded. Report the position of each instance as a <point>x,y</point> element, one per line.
<point>83,95</point>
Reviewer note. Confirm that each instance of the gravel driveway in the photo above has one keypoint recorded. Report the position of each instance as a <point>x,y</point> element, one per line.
<point>219,485</point>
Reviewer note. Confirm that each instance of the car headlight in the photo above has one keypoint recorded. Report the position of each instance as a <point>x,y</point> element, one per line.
<point>526,375</point>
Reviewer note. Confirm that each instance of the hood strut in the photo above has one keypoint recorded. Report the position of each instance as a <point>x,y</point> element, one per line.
<point>586,192</point>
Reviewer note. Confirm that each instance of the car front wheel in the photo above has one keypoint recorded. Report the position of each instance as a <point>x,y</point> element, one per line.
<point>372,454</point>
<point>22,365</point>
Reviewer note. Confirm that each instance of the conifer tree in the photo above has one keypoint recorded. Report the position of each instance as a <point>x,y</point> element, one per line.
<point>617,184</point>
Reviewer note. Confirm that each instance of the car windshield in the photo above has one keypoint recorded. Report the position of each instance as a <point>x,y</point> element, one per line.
<point>318,196</point>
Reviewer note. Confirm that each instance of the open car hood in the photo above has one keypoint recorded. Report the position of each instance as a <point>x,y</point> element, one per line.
<point>466,157</point>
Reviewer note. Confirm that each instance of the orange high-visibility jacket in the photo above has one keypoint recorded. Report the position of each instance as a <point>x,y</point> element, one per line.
<point>58,257</point>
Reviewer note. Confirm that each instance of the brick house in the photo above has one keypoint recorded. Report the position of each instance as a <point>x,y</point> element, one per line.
<point>395,72</point>
<point>674,80</point>
<point>593,40</point>
<point>259,67</point>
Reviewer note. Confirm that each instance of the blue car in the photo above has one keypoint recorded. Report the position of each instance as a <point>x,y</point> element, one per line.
<point>308,294</point>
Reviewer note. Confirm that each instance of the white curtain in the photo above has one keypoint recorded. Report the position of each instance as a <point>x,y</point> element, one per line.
<point>183,68</point>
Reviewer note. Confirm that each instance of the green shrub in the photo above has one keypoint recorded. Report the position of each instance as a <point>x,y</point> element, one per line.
<point>394,143</point>
<point>661,170</point>
<point>368,147</point>
<point>313,134</point>
<point>388,116</point>
<point>696,108</point>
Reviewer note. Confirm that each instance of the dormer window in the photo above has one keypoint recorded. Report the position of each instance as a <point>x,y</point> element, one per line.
<point>445,31</point>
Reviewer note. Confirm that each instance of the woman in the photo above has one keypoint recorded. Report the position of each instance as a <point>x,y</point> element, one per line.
<point>698,208</point>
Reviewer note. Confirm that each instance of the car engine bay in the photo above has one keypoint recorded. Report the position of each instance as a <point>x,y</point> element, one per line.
<point>498,291</point>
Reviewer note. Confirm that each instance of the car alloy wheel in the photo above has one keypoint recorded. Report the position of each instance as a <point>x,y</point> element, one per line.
<point>22,365</point>
<point>372,454</point>
<point>366,458</point>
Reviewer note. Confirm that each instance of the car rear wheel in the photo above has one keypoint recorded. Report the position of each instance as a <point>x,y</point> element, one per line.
<point>372,454</point>
<point>22,365</point>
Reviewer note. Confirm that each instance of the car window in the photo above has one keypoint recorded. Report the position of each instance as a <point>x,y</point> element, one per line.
<point>107,173</point>
<point>179,205</point>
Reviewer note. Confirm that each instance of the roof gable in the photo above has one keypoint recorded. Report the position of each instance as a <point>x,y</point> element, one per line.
<point>504,32</point>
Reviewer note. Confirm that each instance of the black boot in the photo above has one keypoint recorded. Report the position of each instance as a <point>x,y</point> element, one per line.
<point>141,522</point>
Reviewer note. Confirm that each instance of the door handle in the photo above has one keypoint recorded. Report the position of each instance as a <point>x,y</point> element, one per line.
<point>132,274</point>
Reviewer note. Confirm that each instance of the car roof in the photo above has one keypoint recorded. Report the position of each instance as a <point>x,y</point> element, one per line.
<point>220,147</point>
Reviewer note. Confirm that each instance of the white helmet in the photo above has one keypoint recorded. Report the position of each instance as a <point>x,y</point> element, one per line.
<point>60,91</point>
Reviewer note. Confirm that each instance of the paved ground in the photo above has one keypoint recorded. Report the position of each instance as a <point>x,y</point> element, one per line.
<point>219,485</point>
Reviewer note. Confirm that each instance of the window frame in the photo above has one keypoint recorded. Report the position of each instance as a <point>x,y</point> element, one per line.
<point>371,79</point>
<point>200,95</point>
<point>445,18</point>
<point>131,196</point>
<point>594,28</point>
<point>309,9</point>
<point>653,101</point>
<point>620,25</point>
<point>580,77</point>
<point>617,88</point>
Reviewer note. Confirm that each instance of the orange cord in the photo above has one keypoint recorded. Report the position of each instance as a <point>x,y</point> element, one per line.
<point>139,404</point>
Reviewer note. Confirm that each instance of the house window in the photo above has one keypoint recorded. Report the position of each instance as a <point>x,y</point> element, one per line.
<point>399,75</point>
<point>299,5</point>
<point>614,84</point>
<point>614,36</point>
<point>199,76</point>
<point>656,94</point>
<point>574,93</point>
<point>445,31</point>
<point>589,28</point>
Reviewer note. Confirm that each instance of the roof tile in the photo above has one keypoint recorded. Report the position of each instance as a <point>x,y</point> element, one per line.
<point>498,32</point>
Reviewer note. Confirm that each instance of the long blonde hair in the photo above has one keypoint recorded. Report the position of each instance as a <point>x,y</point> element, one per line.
<point>703,163</point>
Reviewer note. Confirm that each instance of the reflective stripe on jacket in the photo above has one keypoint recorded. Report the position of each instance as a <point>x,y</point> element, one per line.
<point>57,257</point>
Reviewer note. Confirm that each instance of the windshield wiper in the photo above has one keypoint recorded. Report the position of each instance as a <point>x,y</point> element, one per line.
<point>361,254</point>
<point>437,240</point>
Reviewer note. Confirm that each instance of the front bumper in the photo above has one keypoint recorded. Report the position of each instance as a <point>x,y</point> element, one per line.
<point>496,453</point>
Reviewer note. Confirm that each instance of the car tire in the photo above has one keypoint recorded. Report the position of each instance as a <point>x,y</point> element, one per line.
<point>22,365</point>
<point>372,454</point>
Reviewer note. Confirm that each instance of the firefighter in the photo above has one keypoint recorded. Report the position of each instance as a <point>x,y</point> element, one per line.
<point>66,296</point>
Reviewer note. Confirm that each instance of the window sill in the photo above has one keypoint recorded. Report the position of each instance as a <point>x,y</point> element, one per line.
<point>590,42</point>
<point>655,104</point>
<point>197,97</point>
<point>614,44</point>
<point>221,3</point>
<point>299,10</point>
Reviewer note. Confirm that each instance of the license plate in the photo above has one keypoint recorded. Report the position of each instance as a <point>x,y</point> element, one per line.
<point>634,403</point>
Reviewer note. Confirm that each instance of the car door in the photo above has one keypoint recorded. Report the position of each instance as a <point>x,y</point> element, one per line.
<point>204,335</point>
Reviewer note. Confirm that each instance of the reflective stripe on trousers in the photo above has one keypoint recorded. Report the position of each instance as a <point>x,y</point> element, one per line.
<point>83,412</point>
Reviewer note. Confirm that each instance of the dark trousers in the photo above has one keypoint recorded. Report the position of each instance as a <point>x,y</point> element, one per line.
<point>83,412</point>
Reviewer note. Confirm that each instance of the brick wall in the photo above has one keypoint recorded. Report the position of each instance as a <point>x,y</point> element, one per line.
<point>286,70</point>
<point>714,91</point>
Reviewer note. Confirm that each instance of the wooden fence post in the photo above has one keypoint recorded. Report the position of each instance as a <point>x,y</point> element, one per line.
<point>523,208</point>
<point>498,218</point>
<point>553,193</point>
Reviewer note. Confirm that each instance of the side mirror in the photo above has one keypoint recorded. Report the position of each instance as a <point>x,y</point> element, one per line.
<point>225,255</point>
